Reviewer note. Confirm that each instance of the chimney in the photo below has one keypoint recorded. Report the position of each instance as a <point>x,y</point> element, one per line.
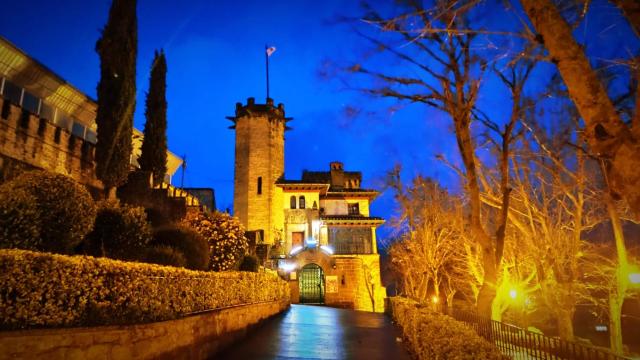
<point>337,174</point>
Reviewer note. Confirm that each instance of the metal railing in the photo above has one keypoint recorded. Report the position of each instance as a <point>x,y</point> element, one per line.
<point>518,343</point>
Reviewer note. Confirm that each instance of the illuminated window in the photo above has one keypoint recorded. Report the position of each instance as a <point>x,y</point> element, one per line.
<point>259,185</point>
<point>354,209</point>
<point>292,202</point>
<point>302,204</point>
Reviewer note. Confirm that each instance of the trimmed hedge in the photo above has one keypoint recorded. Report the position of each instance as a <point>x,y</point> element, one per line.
<point>49,290</point>
<point>432,335</point>
<point>165,255</point>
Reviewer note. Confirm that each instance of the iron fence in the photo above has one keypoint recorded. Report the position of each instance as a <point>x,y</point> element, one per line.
<point>518,343</point>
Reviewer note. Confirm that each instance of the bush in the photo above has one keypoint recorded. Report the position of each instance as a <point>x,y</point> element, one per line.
<point>249,263</point>
<point>45,211</point>
<point>120,232</point>
<point>432,335</point>
<point>19,227</point>
<point>188,242</point>
<point>47,290</point>
<point>165,255</point>
<point>225,236</point>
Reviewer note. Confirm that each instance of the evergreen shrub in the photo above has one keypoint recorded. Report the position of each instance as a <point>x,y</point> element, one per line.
<point>44,211</point>
<point>120,232</point>
<point>188,242</point>
<point>165,255</point>
<point>249,263</point>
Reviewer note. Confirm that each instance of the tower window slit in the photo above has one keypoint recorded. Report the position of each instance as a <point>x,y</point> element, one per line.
<point>259,185</point>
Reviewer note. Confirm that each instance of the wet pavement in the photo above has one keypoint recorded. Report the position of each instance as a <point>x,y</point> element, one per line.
<point>318,332</point>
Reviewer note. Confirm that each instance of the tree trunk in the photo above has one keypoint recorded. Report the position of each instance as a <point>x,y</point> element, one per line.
<point>615,322</point>
<point>564,321</point>
<point>488,288</point>
<point>606,134</point>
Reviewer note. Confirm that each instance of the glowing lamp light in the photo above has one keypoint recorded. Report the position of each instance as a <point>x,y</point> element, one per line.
<point>513,293</point>
<point>634,278</point>
<point>295,250</point>
<point>326,249</point>
<point>287,267</point>
<point>434,299</point>
<point>311,242</point>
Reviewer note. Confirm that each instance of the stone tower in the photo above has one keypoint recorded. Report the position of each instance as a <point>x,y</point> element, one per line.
<point>259,163</point>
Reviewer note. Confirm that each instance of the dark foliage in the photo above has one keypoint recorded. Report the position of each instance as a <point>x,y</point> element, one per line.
<point>120,232</point>
<point>165,255</point>
<point>249,263</point>
<point>116,93</point>
<point>44,211</point>
<point>154,145</point>
<point>191,244</point>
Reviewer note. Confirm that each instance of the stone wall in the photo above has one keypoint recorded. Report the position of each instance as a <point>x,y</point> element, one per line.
<point>195,337</point>
<point>36,142</point>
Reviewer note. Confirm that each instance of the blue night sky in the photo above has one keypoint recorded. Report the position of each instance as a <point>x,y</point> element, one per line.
<point>215,56</point>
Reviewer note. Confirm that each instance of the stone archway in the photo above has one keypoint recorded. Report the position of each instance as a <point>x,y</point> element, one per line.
<point>311,283</point>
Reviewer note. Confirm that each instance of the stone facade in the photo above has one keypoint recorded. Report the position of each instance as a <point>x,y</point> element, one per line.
<point>259,163</point>
<point>195,337</point>
<point>322,220</point>
<point>28,142</point>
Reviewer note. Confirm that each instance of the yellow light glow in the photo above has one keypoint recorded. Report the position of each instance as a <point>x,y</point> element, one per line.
<point>513,293</point>
<point>434,299</point>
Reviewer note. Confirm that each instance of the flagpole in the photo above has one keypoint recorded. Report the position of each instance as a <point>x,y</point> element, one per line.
<point>266,55</point>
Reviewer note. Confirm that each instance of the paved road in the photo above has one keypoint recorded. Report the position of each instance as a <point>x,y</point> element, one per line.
<point>318,332</point>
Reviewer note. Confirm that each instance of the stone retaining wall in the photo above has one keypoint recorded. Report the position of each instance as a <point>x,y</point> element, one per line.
<point>194,337</point>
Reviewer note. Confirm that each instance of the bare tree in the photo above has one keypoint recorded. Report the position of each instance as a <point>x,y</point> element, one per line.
<point>614,141</point>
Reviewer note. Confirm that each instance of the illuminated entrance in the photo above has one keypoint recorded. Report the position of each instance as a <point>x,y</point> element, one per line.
<point>311,284</point>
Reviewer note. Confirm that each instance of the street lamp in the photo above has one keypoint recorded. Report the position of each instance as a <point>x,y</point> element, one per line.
<point>634,278</point>
<point>513,293</point>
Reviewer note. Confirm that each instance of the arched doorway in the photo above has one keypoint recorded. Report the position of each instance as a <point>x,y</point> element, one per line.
<point>311,282</point>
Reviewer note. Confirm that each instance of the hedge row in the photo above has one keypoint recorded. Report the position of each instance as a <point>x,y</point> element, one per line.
<point>48,290</point>
<point>432,335</point>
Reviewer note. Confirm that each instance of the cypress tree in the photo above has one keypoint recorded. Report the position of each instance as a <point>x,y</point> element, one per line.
<point>154,144</point>
<point>117,49</point>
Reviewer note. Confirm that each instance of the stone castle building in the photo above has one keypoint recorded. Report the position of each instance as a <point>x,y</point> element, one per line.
<point>318,227</point>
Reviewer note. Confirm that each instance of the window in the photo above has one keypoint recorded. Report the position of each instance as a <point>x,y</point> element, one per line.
<point>302,204</point>
<point>12,92</point>
<point>63,121</point>
<point>259,185</point>
<point>78,130</point>
<point>350,240</point>
<point>30,103</point>
<point>46,111</point>
<point>91,137</point>
<point>354,209</point>
<point>292,202</point>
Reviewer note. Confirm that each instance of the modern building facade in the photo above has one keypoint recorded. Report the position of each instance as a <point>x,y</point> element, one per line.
<point>318,227</point>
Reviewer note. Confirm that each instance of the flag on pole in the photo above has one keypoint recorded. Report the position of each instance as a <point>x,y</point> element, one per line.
<point>271,50</point>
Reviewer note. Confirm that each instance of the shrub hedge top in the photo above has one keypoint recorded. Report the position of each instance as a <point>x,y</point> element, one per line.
<point>63,214</point>
<point>432,335</point>
<point>48,290</point>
